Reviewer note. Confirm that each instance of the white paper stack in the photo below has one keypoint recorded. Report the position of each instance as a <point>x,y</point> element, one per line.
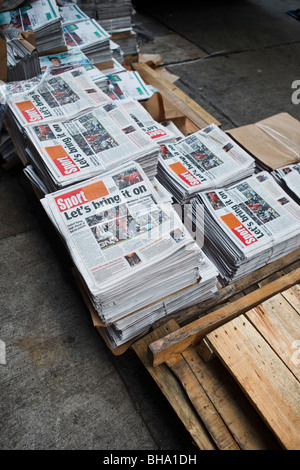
<point>91,39</point>
<point>42,16</point>
<point>56,98</point>
<point>22,62</point>
<point>65,61</point>
<point>71,13</point>
<point>9,4</point>
<point>130,249</point>
<point>114,15</point>
<point>247,225</point>
<point>289,177</point>
<point>139,322</point>
<point>156,131</point>
<point>128,84</point>
<point>71,130</point>
<point>202,161</point>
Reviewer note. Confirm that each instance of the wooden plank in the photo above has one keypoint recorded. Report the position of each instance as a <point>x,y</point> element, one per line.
<point>246,426</point>
<point>173,390</point>
<point>279,324</point>
<point>191,334</point>
<point>247,284</point>
<point>189,108</point>
<point>203,405</point>
<point>292,295</point>
<point>263,377</point>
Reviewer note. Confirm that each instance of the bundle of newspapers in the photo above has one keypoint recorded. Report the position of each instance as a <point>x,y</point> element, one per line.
<point>9,4</point>
<point>159,133</point>
<point>57,64</point>
<point>43,18</point>
<point>202,161</point>
<point>22,58</point>
<point>130,249</point>
<point>289,177</point>
<point>128,83</point>
<point>74,131</point>
<point>90,38</point>
<point>113,15</point>
<point>247,225</point>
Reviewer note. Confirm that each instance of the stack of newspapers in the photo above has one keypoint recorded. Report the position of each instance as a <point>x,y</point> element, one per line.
<point>74,131</point>
<point>130,249</point>
<point>289,177</point>
<point>9,4</point>
<point>128,83</point>
<point>62,62</point>
<point>22,58</point>
<point>90,38</point>
<point>202,161</point>
<point>114,15</point>
<point>156,131</point>
<point>43,18</point>
<point>247,225</point>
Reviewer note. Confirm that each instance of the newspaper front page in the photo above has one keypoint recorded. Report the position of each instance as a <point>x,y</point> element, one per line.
<point>290,175</point>
<point>204,160</point>
<point>249,224</point>
<point>70,60</point>
<point>117,230</point>
<point>84,33</point>
<point>90,144</point>
<point>34,15</point>
<point>57,98</point>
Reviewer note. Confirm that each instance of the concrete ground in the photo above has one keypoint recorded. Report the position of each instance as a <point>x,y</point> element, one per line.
<point>61,388</point>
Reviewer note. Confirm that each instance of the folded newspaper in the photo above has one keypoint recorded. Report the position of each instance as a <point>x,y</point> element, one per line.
<point>128,84</point>
<point>289,177</point>
<point>131,326</point>
<point>90,38</point>
<point>202,161</point>
<point>129,248</point>
<point>155,130</point>
<point>56,98</point>
<point>247,225</point>
<point>42,16</point>
<point>72,150</point>
<point>70,60</point>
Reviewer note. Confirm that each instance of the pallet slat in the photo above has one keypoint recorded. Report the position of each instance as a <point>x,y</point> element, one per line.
<point>263,377</point>
<point>191,334</point>
<point>202,404</point>
<point>279,324</point>
<point>245,425</point>
<point>174,95</point>
<point>172,389</point>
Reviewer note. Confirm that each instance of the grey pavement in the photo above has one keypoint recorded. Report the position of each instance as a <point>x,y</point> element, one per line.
<point>61,388</point>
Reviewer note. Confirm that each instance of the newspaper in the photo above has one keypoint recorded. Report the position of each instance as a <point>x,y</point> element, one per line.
<point>128,84</point>
<point>70,13</point>
<point>204,160</point>
<point>94,142</point>
<point>248,225</point>
<point>34,15</point>
<point>140,322</point>
<point>57,98</point>
<point>129,248</point>
<point>83,33</point>
<point>290,176</point>
<point>91,38</point>
<point>70,60</point>
<point>156,131</point>
<point>42,16</point>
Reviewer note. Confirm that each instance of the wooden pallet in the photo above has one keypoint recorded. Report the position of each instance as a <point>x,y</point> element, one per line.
<point>174,97</point>
<point>248,396</point>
